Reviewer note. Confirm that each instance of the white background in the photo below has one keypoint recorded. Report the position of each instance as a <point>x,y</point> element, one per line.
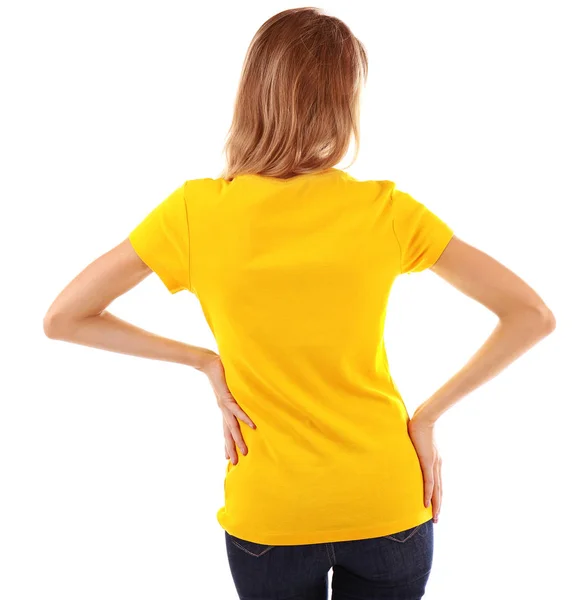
<point>111,467</point>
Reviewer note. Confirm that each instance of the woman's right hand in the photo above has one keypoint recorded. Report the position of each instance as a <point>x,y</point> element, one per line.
<point>421,434</point>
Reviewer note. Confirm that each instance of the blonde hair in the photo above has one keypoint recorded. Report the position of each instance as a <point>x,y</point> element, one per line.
<point>298,100</point>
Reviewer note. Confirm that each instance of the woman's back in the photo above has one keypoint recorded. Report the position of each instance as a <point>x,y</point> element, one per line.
<point>293,276</point>
<point>293,261</point>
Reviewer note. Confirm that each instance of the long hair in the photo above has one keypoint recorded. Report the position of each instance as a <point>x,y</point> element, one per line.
<point>298,99</point>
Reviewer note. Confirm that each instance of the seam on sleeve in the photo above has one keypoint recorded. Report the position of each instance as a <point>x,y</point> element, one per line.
<point>188,237</point>
<point>395,233</point>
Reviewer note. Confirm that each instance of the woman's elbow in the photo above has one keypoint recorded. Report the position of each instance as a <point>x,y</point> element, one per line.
<point>54,325</point>
<point>537,320</point>
<point>549,322</point>
<point>544,319</point>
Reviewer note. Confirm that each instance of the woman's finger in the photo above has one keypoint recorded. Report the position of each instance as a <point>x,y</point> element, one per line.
<point>234,427</point>
<point>229,441</point>
<point>232,453</point>
<point>235,409</point>
<point>428,483</point>
<point>436,502</point>
<point>441,484</point>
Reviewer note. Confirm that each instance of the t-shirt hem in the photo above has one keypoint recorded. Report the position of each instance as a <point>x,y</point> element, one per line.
<point>335,535</point>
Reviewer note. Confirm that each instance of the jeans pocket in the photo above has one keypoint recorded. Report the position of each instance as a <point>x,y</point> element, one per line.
<point>252,548</point>
<point>403,536</point>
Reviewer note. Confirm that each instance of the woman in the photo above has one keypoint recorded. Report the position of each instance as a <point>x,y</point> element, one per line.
<point>292,260</point>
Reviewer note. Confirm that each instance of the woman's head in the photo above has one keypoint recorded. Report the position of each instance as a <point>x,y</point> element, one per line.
<point>297,105</point>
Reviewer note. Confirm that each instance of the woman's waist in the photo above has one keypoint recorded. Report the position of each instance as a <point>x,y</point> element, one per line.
<point>292,455</point>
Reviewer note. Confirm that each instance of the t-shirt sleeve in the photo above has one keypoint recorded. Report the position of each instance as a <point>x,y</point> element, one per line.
<point>421,234</point>
<point>161,240</point>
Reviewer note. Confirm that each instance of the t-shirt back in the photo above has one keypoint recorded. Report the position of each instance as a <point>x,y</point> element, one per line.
<point>293,277</point>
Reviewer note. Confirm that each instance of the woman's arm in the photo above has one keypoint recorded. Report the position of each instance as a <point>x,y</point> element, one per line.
<point>79,314</point>
<point>524,319</point>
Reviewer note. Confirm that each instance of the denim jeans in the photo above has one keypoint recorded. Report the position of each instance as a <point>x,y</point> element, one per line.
<point>391,567</point>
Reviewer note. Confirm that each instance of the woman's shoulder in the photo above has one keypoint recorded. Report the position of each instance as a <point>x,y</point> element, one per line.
<point>202,186</point>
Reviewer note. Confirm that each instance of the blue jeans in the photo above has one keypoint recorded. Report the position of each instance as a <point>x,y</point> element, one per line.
<point>391,567</point>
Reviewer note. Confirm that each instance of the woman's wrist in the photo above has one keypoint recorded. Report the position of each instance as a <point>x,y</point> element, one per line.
<point>201,358</point>
<point>422,417</point>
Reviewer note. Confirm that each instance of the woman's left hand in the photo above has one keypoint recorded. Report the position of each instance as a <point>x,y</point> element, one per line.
<point>231,411</point>
<point>421,432</point>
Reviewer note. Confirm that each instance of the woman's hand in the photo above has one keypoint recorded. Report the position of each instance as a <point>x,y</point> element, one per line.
<point>231,412</point>
<point>421,434</point>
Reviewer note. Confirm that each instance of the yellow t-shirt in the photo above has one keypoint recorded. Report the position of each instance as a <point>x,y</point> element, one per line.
<point>293,277</point>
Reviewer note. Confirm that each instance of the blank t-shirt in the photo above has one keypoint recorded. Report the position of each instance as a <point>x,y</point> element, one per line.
<point>293,277</point>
